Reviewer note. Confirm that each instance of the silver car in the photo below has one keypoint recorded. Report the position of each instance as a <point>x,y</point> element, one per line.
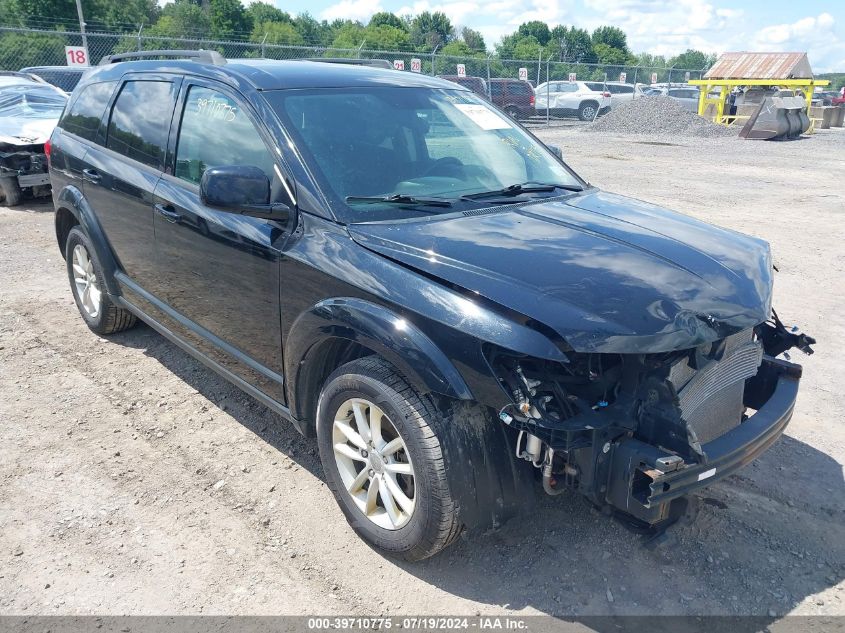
<point>687,96</point>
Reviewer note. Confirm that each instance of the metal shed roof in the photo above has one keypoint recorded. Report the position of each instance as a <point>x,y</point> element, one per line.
<point>745,65</point>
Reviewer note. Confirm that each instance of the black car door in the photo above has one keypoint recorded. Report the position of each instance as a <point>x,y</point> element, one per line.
<point>218,271</point>
<point>120,177</point>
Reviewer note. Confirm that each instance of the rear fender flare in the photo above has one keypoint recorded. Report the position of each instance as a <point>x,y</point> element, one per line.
<point>379,330</point>
<point>71,199</point>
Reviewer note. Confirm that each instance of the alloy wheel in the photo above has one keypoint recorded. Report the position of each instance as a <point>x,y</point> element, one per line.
<point>374,465</point>
<point>85,280</point>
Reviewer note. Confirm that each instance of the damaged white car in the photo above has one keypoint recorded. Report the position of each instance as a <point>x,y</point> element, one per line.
<point>29,110</point>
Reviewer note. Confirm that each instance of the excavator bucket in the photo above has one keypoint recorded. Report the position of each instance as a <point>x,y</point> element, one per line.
<point>779,116</point>
<point>766,122</point>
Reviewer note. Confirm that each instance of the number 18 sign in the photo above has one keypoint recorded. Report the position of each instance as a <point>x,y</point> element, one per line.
<point>76,56</point>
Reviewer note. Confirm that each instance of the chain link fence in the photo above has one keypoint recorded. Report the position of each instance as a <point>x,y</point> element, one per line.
<point>24,47</point>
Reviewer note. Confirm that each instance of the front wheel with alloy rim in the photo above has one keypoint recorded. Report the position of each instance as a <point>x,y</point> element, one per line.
<point>383,460</point>
<point>86,283</point>
<point>587,111</point>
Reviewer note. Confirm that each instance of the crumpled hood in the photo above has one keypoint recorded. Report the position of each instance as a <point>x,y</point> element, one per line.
<point>23,131</point>
<point>608,273</point>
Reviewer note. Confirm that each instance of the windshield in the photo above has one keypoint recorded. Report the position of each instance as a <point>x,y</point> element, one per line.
<point>410,146</point>
<point>31,102</point>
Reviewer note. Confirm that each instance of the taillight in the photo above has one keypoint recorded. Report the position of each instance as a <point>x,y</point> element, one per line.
<point>47,150</point>
<point>531,100</point>
<point>605,94</point>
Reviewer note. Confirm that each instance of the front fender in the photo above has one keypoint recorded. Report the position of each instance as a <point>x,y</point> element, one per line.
<point>72,199</point>
<point>376,328</point>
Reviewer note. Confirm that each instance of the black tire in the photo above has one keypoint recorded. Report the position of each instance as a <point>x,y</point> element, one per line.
<point>587,110</point>
<point>434,522</point>
<point>513,112</point>
<point>110,318</point>
<point>11,191</point>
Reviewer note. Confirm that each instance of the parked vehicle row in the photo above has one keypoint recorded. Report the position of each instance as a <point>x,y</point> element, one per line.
<point>401,270</point>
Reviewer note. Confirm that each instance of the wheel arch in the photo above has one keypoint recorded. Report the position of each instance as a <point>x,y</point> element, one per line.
<point>336,331</point>
<point>73,210</point>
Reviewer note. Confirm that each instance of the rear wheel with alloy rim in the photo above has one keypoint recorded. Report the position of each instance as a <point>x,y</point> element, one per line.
<point>383,460</point>
<point>86,283</point>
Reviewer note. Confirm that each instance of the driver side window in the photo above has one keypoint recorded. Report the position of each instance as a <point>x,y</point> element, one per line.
<point>214,131</point>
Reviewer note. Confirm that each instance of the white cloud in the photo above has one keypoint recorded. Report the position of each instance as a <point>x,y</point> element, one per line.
<point>549,11</point>
<point>814,34</point>
<point>352,10</point>
<point>457,11</point>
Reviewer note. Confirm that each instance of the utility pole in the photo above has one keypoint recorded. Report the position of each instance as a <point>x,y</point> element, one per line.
<point>82,24</point>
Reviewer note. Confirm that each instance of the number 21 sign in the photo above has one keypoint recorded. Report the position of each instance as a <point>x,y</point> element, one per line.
<point>76,55</point>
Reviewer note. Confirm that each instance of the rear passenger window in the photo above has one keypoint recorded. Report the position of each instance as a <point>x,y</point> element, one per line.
<point>520,89</point>
<point>83,116</point>
<point>140,121</point>
<point>215,132</point>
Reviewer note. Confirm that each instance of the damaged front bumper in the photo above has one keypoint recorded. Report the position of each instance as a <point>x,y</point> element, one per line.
<point>644,480</point>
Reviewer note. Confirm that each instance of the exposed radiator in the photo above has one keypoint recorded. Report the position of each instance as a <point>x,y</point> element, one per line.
<point>711,398</point>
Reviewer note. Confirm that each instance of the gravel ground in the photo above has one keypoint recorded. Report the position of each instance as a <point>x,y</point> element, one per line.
<point>657,115</point>
<point>132,480</point>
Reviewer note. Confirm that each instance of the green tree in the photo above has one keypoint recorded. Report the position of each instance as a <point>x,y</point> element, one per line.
<point>276,33</point>
<point>181,18</point>
<point>385,18</point>
<point>571,44</point>
<point>18,50</point>
<point>349,35</point>
<point>693,60</point>
<point>261,12</point>
<point>430,30</point>
<point>527,48</point>
<point>228,19</point>
<point>30,12</point>
<point>456,48</point>
<point>536,29</point>
<point>473,39</point>
<point>123,15</point>
<point>386,38</point>
<point>312,31</point>
<point>613,36</point>
<point>647,60</point>
<point>606,54</point>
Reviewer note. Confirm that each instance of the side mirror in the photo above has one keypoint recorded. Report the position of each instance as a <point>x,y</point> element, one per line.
<point>243,189</point>
<point>554,149</point>
<point>234,187</point>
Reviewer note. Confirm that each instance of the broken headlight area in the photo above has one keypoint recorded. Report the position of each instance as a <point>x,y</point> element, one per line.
<point>623,429</point>
<point>28,163</point>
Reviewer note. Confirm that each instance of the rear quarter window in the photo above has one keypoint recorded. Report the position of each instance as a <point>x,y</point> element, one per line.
<point>520,89</point>
<point>140,121</point>
<point>83,116</point>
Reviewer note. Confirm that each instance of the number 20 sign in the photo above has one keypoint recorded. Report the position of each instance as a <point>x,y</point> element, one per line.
<point>76,55</point>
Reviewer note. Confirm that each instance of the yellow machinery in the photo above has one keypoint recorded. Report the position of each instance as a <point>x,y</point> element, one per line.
<point>724,86</point>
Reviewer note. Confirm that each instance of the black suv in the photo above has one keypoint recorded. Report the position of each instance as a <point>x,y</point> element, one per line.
<point>400,269</point>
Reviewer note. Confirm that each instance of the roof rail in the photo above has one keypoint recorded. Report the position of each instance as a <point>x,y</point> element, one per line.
<point>202,56</point>
<point>375,63</point>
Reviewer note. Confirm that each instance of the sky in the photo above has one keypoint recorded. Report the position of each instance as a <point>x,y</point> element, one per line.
<point>663,27</point>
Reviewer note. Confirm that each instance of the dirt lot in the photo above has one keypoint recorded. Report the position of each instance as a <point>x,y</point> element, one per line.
<point>132,480</point>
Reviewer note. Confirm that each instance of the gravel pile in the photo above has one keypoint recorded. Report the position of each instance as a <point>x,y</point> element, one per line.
<point>657,115</point>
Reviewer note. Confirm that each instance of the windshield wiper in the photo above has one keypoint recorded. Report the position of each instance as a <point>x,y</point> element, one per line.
<point>515,190</point>
<point>400,198</point>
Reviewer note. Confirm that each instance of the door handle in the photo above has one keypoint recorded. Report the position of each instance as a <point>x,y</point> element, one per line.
<point>91,175</point>
<point>168,213</point>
